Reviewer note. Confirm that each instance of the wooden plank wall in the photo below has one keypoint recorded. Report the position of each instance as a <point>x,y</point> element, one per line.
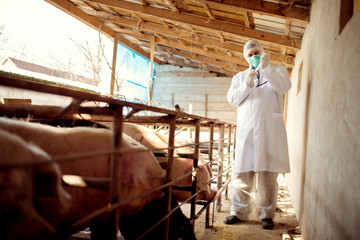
<point>202,91</point>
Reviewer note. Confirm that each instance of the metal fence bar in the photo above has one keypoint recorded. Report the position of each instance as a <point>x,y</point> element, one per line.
<point>25,82</point>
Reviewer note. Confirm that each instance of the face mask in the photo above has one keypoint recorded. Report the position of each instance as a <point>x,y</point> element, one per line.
<point>255,60</point>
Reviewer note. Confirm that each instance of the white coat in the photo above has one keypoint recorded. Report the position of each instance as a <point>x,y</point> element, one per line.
<point>261,141</point>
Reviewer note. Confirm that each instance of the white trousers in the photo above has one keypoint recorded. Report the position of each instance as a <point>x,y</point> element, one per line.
<point>251,191</point>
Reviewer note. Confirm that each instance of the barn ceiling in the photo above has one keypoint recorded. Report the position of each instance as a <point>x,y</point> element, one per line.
<point>207,34</point>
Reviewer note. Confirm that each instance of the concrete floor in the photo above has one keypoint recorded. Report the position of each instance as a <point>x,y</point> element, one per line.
<point>286,224</point>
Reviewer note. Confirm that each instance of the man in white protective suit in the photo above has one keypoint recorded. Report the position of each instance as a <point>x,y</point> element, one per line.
<point>261,142</point>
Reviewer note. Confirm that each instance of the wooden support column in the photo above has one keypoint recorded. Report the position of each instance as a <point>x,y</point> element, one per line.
<point>113,68</point>
<point>220,163</point>
<point>150,82</point>
<point>194,177</point>
<point>170,159</point>
<point>211,148</point>
<point>228,162</point>
<point>116,168</point>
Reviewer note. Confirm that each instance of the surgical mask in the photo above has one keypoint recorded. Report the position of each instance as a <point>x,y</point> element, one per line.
<point>255,60</point>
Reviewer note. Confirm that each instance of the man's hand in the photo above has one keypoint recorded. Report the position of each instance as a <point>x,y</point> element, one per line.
<point>264,61</point>
<point>249,78</point>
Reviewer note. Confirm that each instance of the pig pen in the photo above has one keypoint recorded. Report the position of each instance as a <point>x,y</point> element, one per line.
<point>217,147</point>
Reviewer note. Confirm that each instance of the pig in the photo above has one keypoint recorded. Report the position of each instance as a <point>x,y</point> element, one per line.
<point>181,165</point>
<point>140,170</point>
<point>132,227</point>
<point>32,199</point>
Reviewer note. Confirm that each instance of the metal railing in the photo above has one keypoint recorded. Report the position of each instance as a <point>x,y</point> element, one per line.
<point>114,112</point>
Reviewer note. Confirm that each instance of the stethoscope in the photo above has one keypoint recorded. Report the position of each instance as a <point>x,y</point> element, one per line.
<point>258,77</point>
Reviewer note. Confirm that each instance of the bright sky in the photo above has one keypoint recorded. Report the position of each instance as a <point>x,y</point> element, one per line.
<point>42,27</point>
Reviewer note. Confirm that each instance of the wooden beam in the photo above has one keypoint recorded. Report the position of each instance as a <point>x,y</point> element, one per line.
<point>152,49</point>
<point>165,24</point>
<point>173,6</point>
<point>222,39</point>
<point>143,2</point>
<point>175,63</point>
<point>346,12</point>
<point>182,42</point>
<point>241,61</point>
<point>134,47</point>
<point>221,64</point>
<point>200,51</point>
<point>185,74</point>
<point>90,6</point>
<point>202,66</point>
<point>75,12</point>
<point>209,25</point>
<point>262,7</point>
<point>187,36</point>
<point>246,18</point>
<point>207,10</point>
<point>159,35</point>
<point>113,68</point>
<point>196,36</point>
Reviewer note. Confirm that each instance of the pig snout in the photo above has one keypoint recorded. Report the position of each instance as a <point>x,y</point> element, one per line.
<point>51,199</point>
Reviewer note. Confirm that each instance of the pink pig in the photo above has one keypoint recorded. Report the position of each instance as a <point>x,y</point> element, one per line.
<point>140,170</point>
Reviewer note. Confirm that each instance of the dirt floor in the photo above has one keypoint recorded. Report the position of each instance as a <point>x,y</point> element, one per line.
<point>286,225</point>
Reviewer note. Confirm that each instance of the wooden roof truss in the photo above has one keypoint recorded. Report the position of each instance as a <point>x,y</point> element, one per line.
<point>208,34</point>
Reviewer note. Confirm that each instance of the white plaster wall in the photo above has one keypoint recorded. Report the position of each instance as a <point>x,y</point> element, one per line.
<point>37,98</point>
<point>323,127</point>
<point>191,93</point>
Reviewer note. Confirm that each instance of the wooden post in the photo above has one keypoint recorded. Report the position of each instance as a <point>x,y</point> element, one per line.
<point>220,163</point>
<point>211,148</point>
<point>228,162</point>
<point>116,168</point>
<point>152,49</point>
<point>194,178</point>
<point>113,68</point>
<point>170,159</point>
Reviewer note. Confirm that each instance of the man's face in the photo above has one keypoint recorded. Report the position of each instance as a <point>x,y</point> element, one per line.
<point>252,52</point>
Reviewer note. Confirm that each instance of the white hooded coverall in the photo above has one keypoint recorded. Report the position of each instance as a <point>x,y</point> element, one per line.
<point>261,142</point>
